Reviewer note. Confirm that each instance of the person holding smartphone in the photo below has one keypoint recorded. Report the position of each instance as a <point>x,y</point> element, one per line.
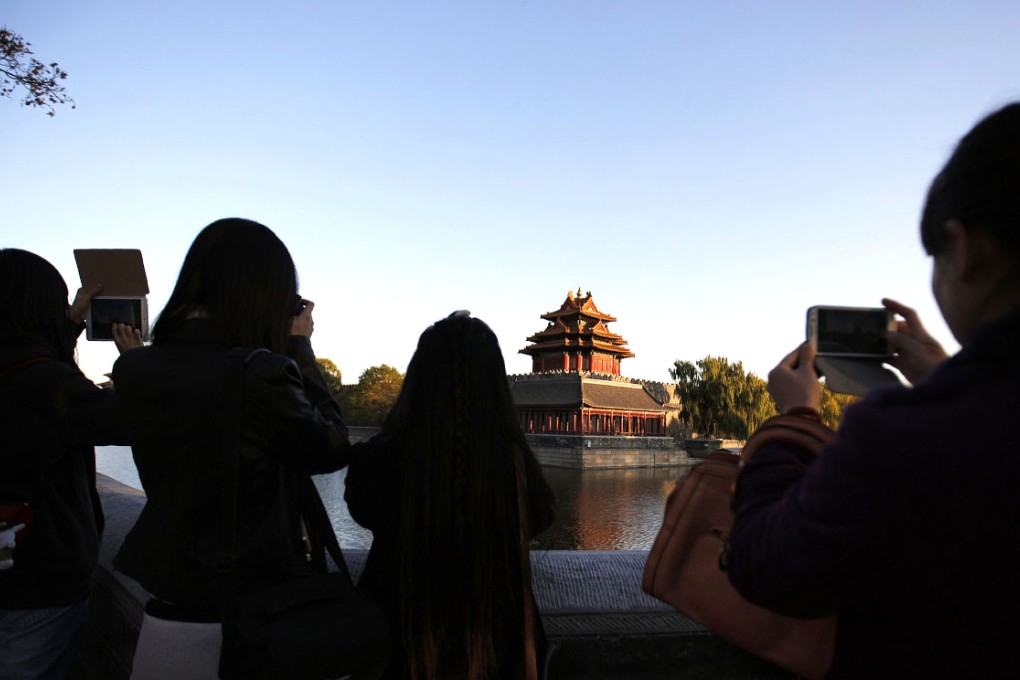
<point>237,288</point>
<point>51,520</point>
<point>903,522</point>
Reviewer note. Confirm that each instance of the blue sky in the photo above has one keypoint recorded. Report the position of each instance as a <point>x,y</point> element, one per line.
<point>707,170</point>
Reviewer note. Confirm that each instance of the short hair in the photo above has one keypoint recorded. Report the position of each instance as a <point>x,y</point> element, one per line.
<point>33,304</point>
<point>241,276</point>
<point>979,184</point>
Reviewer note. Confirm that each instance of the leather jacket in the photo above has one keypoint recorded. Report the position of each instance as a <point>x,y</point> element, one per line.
<point>172,395</point>
<point>52,417</point>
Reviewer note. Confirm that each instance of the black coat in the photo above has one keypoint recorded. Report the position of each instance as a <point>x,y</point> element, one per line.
<point>52,417</point>
<point>173,399</point>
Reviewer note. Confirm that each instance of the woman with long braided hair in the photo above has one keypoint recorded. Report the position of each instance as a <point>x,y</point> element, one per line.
<point>453,493</point>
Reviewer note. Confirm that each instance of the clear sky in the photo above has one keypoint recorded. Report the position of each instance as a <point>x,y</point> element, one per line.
<point>707,170</point>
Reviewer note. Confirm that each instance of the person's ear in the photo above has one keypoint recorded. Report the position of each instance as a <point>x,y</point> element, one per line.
<point>970,251</point>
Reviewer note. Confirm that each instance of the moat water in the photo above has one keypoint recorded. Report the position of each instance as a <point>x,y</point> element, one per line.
<point>596,509</point>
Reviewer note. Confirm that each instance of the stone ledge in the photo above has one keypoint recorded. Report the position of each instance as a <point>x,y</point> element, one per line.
<point>599,622</point>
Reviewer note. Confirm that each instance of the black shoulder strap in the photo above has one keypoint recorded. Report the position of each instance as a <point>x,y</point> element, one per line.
<point>236,360</point>
<point>15,367</point>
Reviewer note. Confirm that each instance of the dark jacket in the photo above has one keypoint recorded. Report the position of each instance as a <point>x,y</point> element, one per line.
<point>173,396</point>
<point>906,527</point>
<point>52,417</point>
<point>373,490</point>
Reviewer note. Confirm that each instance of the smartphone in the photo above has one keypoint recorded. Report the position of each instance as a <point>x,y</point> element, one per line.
<point>106,311</point>
<point>851,331</point>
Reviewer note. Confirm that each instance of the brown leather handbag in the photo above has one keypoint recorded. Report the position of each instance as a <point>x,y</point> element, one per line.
<point>686,565</point>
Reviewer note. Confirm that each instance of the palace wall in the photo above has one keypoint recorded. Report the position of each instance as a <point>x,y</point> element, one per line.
<point>602,452</point>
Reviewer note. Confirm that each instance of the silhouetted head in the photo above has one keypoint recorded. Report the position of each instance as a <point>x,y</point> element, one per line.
<point>979,185</point>
<point>240,275</point>
<point>33,304</point>
<point>457,370</point>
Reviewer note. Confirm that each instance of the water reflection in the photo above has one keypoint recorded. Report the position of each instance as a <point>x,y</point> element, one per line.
<point>595,509</point>
<point>607,509</point>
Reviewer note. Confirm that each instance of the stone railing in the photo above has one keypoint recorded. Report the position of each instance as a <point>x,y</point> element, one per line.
<point>599,622</point>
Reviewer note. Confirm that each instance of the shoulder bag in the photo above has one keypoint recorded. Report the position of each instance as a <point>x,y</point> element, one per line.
<point>314,627</point>
<point>686,566</point>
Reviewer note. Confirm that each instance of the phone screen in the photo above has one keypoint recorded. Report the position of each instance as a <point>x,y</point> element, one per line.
<point>860,332</point>
<point>107,311</point>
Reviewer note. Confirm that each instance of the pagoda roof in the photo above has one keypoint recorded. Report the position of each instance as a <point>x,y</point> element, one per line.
<point>558,328</point>
<point>577,343</point>
<point>575,304</point>
<point>577,390</point>
<point>577,324</point>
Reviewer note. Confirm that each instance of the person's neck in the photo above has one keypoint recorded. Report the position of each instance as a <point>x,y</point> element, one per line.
<point>999,303</point>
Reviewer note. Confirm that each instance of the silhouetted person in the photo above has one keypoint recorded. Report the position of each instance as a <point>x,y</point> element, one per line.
<point>452,494</point>
<point>906,525</point>
<point>53,416</point>
<point>237,288</point>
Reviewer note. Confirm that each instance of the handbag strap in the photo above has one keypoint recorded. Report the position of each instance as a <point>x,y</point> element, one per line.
<point>807,433</point>
<point>15,367</point>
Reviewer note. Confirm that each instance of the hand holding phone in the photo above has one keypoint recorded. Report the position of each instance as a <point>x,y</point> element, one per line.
<point>79,309</point>
<point>794,381</point>
<point>303,324</point>
<point>917,352</point>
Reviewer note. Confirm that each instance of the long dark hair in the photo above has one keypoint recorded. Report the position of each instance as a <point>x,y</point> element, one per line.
<point>240,275</point>
<point>33,304</point>
<point>463,563</point>
<point>979,185</point>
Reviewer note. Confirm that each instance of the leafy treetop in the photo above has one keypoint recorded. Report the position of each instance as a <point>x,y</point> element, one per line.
<point>368,402</point>
<point>720,399</point>
<point>18,68</point>
<point>334,380</point>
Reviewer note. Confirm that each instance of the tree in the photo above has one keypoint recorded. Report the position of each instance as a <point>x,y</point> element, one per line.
<point>719,398</point>
<point>18,68</point>
<point>834,406</point>
<point>332,375</point>
<point>368,402</point>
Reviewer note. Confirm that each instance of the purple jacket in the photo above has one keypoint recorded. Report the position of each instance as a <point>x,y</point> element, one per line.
<point>907,527</point>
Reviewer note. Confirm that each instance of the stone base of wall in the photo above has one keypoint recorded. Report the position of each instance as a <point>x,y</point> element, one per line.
<point>701,447</point>
<point>604,452</point>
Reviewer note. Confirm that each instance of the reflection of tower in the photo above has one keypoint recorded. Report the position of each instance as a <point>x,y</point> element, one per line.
<point>602,502</point>
<point>577,339</point>
<point>619,509</point>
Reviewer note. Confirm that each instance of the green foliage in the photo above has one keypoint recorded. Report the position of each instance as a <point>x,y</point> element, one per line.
<point>833,406</point>
<point>720,399</point>
<point>332,375</point>
<point>18,68</point>
<point>368,402</point>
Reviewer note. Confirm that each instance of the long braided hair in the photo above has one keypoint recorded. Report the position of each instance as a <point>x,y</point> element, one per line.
<point>463,562</point>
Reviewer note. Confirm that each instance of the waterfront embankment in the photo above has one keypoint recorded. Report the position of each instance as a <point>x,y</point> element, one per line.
<point>600,623</point>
